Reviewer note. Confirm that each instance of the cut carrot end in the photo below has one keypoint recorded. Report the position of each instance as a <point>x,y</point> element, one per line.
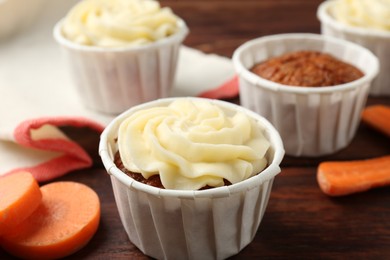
<point>377,117</point>
<point>343,178</point>
<point>19,197</point>
<point>64,222</point>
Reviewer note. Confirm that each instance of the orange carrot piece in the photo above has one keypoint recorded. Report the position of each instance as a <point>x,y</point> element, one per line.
<point>342,178</point>
<point>65,221</point>
<point>378,117</point>
<point>19,197</point>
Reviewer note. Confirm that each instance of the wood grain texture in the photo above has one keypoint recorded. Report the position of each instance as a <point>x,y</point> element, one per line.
<point>300,221</point>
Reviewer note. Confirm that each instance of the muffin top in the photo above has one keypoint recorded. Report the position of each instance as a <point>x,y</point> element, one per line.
<point>363,13</point>
<point>117,23</point>
<point>192,144</point>
<point>307,68</point>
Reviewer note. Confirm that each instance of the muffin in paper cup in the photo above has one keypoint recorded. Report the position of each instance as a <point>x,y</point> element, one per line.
<point>376,40</point>
<point>213,223</point>
<point>111,79</point>
<point>312,121</point>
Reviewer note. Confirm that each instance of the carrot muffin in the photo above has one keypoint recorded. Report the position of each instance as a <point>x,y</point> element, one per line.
<point>307,68</point>
<point>366,23</point>
<point>373,14</point>
<point>190,145</point>
<point>116,23</point>
<point>313,121</point>
<point>121,52</point>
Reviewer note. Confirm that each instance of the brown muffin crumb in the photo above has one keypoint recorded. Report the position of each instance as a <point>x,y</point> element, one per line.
<point>307,68</point>
<point>152,181</point>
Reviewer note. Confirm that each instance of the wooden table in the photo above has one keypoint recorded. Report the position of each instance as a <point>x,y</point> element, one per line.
<point>300,221</point>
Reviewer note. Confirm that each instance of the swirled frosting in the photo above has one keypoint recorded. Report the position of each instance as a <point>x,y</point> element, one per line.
<point>192,144</point>
<point>116,23</point>
<point>363,13</point>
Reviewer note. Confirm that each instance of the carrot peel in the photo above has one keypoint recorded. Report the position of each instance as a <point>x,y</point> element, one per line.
<point>343,178</point>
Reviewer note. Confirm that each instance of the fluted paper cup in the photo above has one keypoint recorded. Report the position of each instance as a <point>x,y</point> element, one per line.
<point>312,121</point>
<point>181,224</point>
<point>111,80</point>
<point>377,41</point>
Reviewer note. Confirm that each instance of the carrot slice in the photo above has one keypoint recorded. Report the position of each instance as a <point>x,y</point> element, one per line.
<point>342,178</point>
<point>19,197</point>
<point>65,221</point>
<point>378,117</point>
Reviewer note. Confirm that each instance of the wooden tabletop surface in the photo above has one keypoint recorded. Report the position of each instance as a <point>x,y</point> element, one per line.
<point>300,221</point>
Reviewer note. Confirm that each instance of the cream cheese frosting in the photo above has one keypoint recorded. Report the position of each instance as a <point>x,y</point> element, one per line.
<point>192,144</point>
<point>118,23</point>
<point>363,13</point>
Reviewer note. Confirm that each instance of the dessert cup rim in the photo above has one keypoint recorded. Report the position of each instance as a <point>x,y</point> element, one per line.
<point>325,17</point>
<point>176,37</point>
<point>267,174</point>
<point>244,72</point>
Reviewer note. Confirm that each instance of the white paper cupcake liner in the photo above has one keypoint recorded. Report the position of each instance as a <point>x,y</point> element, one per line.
<point>111,80</point>
<point>375,40</point>
<point>312,121</point>
<point>207,224</point>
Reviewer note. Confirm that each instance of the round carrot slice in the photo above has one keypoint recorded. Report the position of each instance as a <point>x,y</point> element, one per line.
<point>65,221</point>
<point>19,197</point>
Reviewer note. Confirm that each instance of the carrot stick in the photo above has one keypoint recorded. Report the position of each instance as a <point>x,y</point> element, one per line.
<point>19,197</point>
<point>378,117</point>
<point>65,221</point>
<point>342,178</point>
